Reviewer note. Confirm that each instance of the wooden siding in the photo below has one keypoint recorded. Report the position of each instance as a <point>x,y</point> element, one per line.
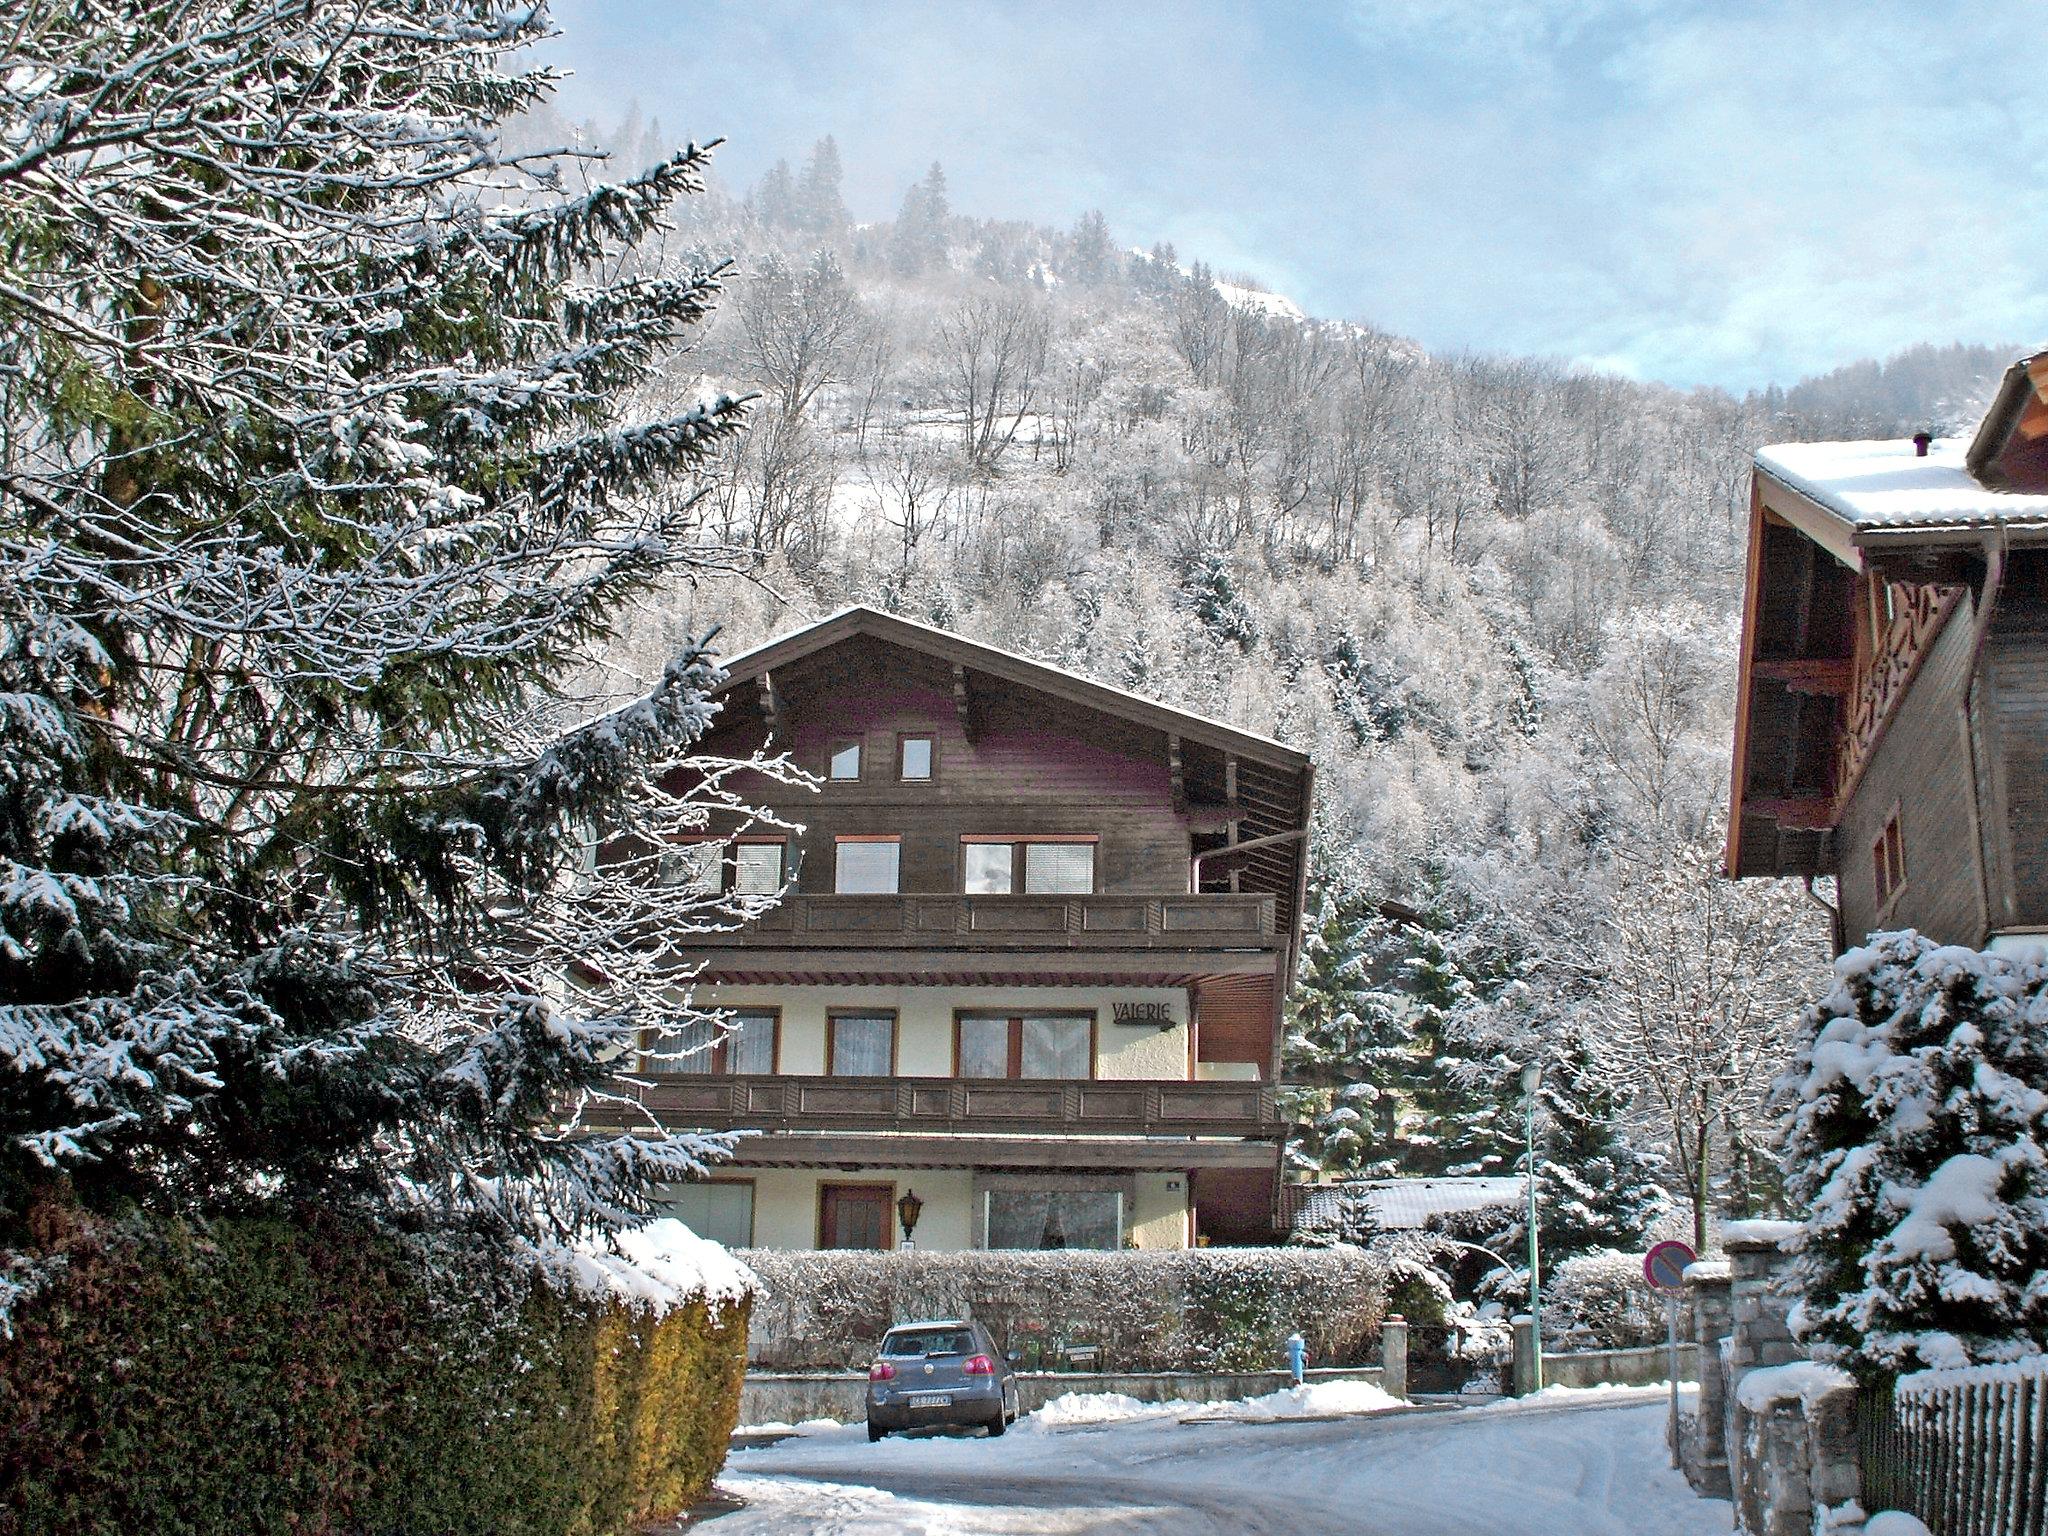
<point>1922,769</point>
<point>1010,761</point>
<point>2013,711</point>
<point>1034,768</point>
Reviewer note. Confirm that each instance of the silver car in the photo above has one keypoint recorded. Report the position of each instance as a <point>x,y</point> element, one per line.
<point>947,1371</point>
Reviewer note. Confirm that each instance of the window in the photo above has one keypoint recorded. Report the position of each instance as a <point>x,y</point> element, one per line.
<point>844,762</point>
<point>757,868</point>
<point>1059,869</point>
<point>722,1211</point>
<point>1043,1045</point>
<point>988,869</point>
<point>745,1043</point>
<point>1039,866</point>
<point>1888,859</point>
<point>1053,1218</point>
<point>913,758</point>
<point>694,867</point>
<point>861,1044</point>
<point>984,1047</point>
<point>866,866</point>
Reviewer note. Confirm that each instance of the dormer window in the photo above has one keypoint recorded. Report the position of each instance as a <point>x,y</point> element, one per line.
<point>844,763</point>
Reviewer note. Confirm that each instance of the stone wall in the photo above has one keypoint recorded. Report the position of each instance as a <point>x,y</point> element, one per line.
<point>1771,1430</point>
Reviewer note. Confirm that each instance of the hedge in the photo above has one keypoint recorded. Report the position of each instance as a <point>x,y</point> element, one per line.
<point>263,1374</point>
<point>1224,1309</point>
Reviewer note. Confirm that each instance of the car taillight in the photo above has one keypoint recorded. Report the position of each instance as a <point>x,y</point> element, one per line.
<point>980,1365</point>
<point>881,1370</point>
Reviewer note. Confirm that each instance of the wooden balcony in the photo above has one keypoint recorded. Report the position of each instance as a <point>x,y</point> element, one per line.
<point>914,921</point>
<point>969,1106</point>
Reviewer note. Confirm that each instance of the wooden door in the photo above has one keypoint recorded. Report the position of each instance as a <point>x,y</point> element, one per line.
<point>856,1215</point>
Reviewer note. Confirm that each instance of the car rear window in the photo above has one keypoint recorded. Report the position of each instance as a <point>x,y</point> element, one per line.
<point>925,1342</point>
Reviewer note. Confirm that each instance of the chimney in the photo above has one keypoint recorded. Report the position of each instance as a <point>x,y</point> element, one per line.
<point>1920,442</point>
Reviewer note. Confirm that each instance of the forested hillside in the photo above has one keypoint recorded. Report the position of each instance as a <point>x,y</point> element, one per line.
<point>1494,597</point>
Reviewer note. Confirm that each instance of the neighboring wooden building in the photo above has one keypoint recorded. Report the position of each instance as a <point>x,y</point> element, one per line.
<point>1029,967</point>
<point>1892,714</point>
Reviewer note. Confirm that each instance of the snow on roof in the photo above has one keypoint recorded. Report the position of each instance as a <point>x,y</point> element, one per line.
<point>737,666</point>
<point>1887,485</point>
<point>1409,1203</point>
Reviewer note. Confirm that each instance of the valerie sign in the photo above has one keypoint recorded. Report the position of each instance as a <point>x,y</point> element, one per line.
<point>1158,1015</point>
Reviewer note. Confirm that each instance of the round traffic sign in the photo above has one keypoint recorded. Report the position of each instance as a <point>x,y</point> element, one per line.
<point>1664,1265</point>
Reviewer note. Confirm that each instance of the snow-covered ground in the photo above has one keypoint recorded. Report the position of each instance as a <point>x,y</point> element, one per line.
<point>1589,1464</point>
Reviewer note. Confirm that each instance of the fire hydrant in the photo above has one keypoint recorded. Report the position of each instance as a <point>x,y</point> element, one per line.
<point>1297,1356</point>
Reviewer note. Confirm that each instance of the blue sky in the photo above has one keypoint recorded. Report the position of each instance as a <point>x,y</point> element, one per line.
<point>1724,193</point>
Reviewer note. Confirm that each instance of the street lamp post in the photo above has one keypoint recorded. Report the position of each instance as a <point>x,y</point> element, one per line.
<point>1532,1080</point>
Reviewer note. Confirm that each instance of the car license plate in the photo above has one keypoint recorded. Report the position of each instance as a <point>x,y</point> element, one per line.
<point>931,1400</point>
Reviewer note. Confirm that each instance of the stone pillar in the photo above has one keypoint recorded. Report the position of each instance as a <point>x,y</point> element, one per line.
<point>1525,1354</point>
<point>1708,1318</point>
<point>1394,1355</point>
<point>1760,1335</point>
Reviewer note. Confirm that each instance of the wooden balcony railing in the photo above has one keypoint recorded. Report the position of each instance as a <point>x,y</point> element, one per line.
<point>1021,922</point>
<point>997,1106</point>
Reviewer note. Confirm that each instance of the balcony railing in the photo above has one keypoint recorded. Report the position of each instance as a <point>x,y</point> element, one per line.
<point>996,1106</point>
<point>1020,922</point>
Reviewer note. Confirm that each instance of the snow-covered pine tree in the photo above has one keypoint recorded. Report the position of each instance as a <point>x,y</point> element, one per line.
<point>1915,1113</point>
<point>1348,1042</point>
<point>314,487</point>
<point>1595,1191</point>
<point>1468,1116</point>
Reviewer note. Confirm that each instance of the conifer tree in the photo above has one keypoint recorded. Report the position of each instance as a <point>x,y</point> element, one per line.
<point>1349,1044</point>
<point>314,489</point>
<point>1467,1106</point>
<point>820,205</point>
<point>1915,1116</point>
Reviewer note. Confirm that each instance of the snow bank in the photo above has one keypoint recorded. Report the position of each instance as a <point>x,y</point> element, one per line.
<point>1319,1399</point>
<point>783,1427</point>
<point>661,1265</point>
<point>1803,1381</point>
<point>1895,1522</point>
<point>1074,1408</point>
<point>1572,1397</point>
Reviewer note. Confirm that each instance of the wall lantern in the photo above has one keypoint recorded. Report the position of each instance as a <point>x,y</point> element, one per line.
<point>908,1209</point>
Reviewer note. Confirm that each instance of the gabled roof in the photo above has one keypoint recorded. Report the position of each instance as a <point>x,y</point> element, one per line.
<point>1871,493</point>
<point>1021,670</point>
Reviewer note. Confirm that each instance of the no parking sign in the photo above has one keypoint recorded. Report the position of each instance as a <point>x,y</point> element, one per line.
<point>1664,1266</point>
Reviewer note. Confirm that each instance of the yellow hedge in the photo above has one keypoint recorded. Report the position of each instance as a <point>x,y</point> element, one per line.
<point>270,1374</point>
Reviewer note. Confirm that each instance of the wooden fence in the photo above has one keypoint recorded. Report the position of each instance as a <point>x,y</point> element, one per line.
<point>1964,1450</point>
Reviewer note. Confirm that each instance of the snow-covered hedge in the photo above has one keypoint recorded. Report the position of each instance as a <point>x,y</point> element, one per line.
<point>1199,1309</point>
<point>1599,1301</point>
<point>259,1373</point>
<point>1916,1115</point>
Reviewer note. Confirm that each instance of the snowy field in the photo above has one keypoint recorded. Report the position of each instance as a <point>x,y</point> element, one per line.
<point>1567,1464</point>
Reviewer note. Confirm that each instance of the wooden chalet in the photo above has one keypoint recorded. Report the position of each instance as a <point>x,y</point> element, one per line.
<point>1029,966</point>
<point>1892,713</point>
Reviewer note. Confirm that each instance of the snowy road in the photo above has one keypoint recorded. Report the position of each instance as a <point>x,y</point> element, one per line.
<point>1593,1468</point>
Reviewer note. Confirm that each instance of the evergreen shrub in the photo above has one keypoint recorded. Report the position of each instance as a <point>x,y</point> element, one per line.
<point>1202,1309</point>
<point>1915,1117</point>
<point>260,1374</point>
